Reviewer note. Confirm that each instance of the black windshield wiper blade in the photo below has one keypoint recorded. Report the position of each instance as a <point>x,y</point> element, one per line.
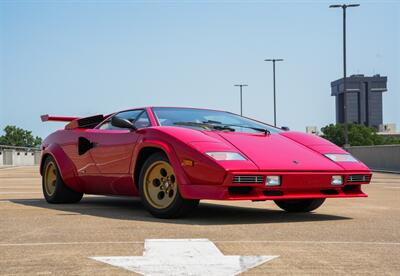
<point>266,131</point>
<point>205,125</point>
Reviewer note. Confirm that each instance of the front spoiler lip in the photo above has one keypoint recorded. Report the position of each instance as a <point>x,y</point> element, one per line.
<point>306,195</point>
<point>219,192</point>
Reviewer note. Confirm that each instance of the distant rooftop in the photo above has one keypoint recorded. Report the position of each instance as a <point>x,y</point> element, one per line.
<point>376,83</point>
<point>364,99</point>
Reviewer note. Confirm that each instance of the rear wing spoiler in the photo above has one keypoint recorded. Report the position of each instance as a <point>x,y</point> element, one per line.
<point>75,122</point>
<point>46,118</point>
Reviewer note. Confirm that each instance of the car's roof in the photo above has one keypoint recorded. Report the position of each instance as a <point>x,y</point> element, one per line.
<point>177,107</point>
<point>187,107</point>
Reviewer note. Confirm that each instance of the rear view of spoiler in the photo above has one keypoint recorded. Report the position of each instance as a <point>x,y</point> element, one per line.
<point>75,122</point>
<point>46,118</point>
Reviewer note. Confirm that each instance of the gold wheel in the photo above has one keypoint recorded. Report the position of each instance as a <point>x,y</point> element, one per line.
<point>160,185</point>
<point>50,178</point>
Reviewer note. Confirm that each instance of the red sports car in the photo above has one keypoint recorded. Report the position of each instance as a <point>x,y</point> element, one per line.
<point>173,157</point>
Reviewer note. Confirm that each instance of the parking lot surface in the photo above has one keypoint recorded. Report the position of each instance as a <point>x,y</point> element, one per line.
<point>358,236</point>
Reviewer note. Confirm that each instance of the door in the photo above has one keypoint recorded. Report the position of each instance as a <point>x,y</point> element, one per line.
<point>112,153</point>
<point>114,146</point>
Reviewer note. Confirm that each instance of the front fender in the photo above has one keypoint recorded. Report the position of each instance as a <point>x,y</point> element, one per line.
<point>169,151</point>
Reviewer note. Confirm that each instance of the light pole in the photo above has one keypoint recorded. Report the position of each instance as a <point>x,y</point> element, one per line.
<point>346,130</point>
<point>273,70</point>
<point>241,97</point>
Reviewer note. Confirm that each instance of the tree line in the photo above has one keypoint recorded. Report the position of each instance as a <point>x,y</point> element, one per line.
<point>359,135</point>
<point>15,136</point>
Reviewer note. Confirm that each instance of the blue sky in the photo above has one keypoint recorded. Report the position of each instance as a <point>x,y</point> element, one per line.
<point>89,57</point>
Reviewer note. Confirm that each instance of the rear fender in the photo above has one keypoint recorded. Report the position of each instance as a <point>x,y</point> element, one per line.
<point>65,166</point>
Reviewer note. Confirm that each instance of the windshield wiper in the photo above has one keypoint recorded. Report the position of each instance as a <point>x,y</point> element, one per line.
<point>266,131</point>
<point>205,125</point>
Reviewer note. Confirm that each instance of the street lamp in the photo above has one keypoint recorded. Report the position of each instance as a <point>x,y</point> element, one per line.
<point>346,130</point>
<point>273,69</point>
<point>241,97</point>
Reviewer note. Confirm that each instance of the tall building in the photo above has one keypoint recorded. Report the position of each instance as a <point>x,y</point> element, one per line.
<point>364,99</point>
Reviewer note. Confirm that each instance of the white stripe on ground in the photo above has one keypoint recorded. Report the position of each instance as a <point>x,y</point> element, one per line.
<point>6,193</point>
<point>17,167</point>
<point>141,242</point>
<point>19,187</point>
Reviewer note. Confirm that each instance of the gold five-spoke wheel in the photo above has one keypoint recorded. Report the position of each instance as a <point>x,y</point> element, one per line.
<point>159,189</point>
<point>50,178</point>
<point>160,185</point>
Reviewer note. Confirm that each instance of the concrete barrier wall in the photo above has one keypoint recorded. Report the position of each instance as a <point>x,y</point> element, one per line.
<point>23,158</point>
<point>19,156</point>
<point>385,157</point>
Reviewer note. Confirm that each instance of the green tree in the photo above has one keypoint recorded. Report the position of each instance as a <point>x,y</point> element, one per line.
<point>359,135</point>
<point>15,136</point>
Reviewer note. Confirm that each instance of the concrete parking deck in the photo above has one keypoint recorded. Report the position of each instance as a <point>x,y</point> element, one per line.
<point>344,236</point>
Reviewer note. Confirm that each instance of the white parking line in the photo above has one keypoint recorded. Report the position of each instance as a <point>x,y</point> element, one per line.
<point>15,167</point>
<point>245,241</point>
<point>6,193</point>
<point>19,187</point>
<point>68,243</point>
<point>318,242</point>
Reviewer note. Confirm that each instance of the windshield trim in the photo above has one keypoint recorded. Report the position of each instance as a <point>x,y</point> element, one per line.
<point>154,109</point>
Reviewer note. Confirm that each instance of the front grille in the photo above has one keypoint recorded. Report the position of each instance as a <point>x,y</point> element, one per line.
<point>358,178</point>
<point>258,179</point>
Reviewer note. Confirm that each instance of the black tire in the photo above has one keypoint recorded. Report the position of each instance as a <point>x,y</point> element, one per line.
<point>300,205</point>
<point>179,207</point>
<point>61,193</point>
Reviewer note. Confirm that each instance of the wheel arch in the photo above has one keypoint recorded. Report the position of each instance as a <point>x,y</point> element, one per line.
<point>43,160</point>
<point>148,147</point>
<point>141,158</point>
<point>64,164</point>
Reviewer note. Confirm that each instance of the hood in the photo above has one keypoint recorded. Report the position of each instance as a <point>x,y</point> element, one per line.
<point>276,152</point>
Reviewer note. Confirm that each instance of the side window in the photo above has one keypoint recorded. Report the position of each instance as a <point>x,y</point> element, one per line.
<point>132,116</point>
<point>142,121</point>
<point>105,126</point>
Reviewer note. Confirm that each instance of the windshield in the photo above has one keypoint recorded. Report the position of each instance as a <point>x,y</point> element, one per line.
<point>209,119</point>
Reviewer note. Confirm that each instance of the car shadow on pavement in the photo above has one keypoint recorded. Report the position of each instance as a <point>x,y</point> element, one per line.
<point>123,208</point>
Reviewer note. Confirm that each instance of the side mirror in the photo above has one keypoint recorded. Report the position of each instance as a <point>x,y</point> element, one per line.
<point>122,123</point>
<point>285,128</point>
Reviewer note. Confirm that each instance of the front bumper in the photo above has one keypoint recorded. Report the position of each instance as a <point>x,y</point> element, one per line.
<point>294,185</point>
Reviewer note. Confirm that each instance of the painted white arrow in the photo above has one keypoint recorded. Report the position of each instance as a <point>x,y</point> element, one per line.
<point>184,257</point>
